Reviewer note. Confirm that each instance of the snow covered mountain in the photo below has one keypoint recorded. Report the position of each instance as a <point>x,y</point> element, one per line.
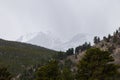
<point>47,40</point>
<point>50,41</point>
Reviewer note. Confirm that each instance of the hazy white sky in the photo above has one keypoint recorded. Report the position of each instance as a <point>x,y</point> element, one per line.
<point>65,18</point>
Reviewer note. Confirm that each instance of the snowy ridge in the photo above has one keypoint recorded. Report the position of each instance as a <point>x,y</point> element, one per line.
<point>47,39</point>
<point>51,41</point>
<point>28,37</point>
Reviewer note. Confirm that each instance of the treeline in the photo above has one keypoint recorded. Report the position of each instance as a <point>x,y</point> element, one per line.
<point>115,38</point>
<point>71,51</point>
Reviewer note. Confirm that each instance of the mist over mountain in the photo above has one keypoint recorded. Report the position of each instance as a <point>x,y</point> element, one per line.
<point>49,40</point>
<point>41,39</point>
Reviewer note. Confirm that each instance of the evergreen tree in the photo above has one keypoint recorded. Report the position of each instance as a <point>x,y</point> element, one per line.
<point>109,36</point>
<point>83,47</point>
<point>96,65</point>
<point>78,49</point>
<point>68,63</point>
<point>117,32</point>
<point>96,39</point>
<point>104,38</point>
<point>70,51</point>
<point>67,74</point>
<point>48,72</point>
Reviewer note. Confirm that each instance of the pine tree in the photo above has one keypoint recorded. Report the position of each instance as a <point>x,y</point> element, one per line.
<point>67,74</point>
<point>48,72</point>
<point>96,65</point>
<point>70,51</point>
<point>96,39</point>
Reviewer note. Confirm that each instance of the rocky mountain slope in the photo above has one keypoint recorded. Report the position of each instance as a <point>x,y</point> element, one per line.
<point>110,43</point>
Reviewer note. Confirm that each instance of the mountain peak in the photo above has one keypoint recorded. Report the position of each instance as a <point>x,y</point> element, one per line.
<point>49,40</point>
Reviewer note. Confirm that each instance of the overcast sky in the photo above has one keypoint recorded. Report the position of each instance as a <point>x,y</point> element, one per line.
<point>64,18</point>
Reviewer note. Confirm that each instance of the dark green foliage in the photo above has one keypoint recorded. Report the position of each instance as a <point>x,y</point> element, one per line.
<point>86,46</point>
<point>52,71</point>
<point>104,38</point>
<point>96,65</point>
<point>78,49</point>
<point>5,74</point>
<point>60,55</point>
<point>96,39</point>
<point>68,63</point>
<point>117,31</point>
<point>109,37</point>
<point>115,38</point>
<point>83,47</point>
<point>48,72</point>
<point>67,74</point>
<point>70,51</point>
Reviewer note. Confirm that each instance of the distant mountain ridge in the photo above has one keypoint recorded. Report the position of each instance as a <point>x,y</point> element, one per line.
<point>41,39</point>
<point>50,41</point>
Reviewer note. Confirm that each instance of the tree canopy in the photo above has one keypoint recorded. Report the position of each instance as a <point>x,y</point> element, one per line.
<point>48,72</point>
<point>97,65</point>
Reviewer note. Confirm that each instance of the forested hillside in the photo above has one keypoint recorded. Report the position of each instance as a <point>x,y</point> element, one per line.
<point>19,56</point>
